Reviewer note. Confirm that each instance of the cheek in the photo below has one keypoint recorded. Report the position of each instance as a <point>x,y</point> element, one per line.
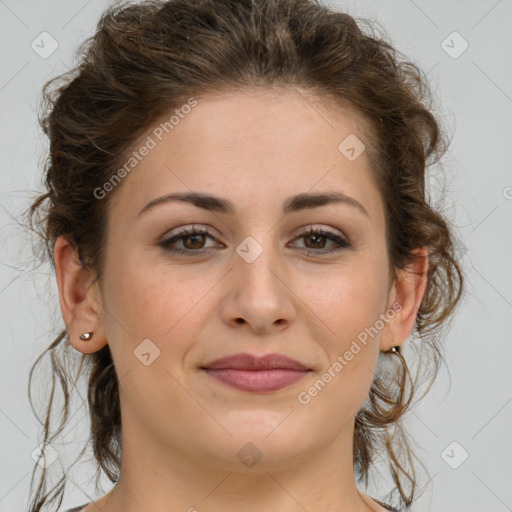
<point>149,301</point>
<point>351,348</point>
<point>351,307</point>
<point>352,298</point>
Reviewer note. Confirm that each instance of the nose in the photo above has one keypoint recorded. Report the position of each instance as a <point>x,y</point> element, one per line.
<point>258,295</point>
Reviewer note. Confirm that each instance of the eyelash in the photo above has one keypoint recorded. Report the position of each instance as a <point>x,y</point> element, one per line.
<point>343,244</point>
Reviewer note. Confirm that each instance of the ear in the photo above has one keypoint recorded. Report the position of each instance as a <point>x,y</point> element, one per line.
<point>407,292</point>
<point>79,298</point>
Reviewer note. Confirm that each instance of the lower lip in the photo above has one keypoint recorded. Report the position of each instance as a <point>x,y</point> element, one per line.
<point>257,381</point>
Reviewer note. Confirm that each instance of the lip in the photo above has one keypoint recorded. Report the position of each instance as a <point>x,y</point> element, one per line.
<point>249,362</point>
<point>256,374</point>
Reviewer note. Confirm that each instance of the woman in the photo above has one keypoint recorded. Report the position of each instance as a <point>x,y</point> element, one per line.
<point>237,218</point>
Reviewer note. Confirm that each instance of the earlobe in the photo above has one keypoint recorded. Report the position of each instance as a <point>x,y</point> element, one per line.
<point>407,293</point>
<point>79,305</point>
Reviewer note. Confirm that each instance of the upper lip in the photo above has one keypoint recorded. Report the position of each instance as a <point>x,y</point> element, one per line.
<point>250,362</point>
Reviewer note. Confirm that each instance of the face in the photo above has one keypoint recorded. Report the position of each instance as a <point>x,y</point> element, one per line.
<point>186,283</point>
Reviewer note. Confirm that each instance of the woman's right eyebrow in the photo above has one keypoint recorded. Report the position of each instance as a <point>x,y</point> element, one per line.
<point>295,203</point>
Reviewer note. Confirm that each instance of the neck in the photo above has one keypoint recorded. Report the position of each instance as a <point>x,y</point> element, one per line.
<point>158,480</point>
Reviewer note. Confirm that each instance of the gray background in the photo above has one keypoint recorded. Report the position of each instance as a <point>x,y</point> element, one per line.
<point>474,95</point>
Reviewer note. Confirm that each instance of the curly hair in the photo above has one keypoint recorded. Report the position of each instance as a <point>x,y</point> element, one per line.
<point>147,59</point>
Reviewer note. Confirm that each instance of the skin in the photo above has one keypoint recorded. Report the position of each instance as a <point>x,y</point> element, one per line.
<point>181,428</point>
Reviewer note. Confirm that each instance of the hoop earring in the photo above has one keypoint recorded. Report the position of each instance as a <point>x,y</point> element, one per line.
<point>86,336</point>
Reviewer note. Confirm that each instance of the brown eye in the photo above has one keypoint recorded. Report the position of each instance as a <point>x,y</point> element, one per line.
<point>316,239</point>
<point>192,240</point>
<point>196,241</point>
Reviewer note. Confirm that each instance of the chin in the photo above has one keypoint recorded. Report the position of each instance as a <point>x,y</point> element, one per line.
<point>258,444</point>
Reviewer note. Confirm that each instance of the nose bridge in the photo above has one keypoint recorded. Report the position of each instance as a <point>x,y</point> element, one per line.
<point>258,262</point>
<point>258,291</point>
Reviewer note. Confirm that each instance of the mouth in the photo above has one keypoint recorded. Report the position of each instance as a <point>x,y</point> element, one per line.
<point>256,374</point>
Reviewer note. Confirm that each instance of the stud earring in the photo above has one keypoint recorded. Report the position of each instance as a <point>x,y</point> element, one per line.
<point>395,350</point>
<point>86,336</point>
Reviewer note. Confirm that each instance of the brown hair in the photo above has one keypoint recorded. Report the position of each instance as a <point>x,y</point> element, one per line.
<point>147,59</point>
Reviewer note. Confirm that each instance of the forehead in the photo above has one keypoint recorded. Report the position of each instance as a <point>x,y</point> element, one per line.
<point>255,143</point>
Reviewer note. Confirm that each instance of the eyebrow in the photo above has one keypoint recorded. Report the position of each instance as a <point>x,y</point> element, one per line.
<point>295,203</point>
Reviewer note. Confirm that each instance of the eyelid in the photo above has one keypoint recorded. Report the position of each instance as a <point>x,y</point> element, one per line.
<point>206,230</point>
<point>194,229</point>
<point>319,228</point>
